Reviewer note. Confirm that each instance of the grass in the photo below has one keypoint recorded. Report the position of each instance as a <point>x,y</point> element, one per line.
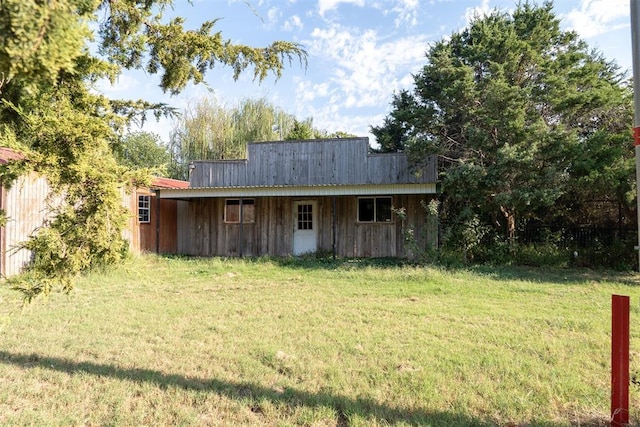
<point>180,341</point>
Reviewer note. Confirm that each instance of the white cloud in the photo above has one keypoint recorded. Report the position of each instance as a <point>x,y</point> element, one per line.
<point>407,11</point>
<point>162,127</point>
<point>325,5</point>
<point>273,15</point>
<point>364,70</point>
<point>330,118</point>
<point>293,23</point>
<point>308,91</point>
<point>472,12</point>
<point>124,84</point>
<point>596,17</point>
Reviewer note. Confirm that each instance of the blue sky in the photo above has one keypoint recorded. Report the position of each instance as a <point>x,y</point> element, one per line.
<point>360,52</point>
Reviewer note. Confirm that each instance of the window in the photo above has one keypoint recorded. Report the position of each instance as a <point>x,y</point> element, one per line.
<point>374,209</point>
<point>144,209</point>
<point>232,210</point>
<point>305,217</point>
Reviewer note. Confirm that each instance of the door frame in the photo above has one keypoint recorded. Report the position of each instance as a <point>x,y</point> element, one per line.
<point>309,234</point>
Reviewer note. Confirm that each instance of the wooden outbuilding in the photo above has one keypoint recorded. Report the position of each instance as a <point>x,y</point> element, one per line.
<point>294,197</point>
<point>157,219</point>
<point>28,203</point>
<point>26,207</point>
<point>286,198</point>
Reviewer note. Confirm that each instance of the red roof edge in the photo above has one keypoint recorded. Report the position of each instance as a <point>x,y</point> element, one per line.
<point>168,183</point>
<point>8,155</point>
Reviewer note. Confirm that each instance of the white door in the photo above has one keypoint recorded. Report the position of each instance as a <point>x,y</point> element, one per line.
<point>304,227</point>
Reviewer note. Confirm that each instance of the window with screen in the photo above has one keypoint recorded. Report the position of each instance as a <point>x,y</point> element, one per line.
<point>374,209</point>
<point>144,209</point>
<point>232,211</point>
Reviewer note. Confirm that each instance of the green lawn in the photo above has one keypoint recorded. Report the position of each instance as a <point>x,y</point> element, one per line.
<point>169,341</point>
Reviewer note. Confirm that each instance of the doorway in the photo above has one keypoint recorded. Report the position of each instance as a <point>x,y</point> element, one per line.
<point>305,238</point>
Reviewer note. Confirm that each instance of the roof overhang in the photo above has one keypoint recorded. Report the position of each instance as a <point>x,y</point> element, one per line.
<point>301,191</point>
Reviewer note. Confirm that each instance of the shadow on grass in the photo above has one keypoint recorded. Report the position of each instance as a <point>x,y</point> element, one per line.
<point>556,275</point>
<point>253,394</point>
<point>310,261</point>
<point>553,275</point>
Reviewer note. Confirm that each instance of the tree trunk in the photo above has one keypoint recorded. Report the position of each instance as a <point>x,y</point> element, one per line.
<point>511,224</point>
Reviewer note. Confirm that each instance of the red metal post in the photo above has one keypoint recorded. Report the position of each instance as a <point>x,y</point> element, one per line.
<point>619,360</point>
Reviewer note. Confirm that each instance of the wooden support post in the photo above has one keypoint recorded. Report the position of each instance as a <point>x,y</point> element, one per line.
<point>241,239</point>
<point>619,360</point>
<point>158,219</point>
<point>635,56</point>
<point>333,227</point>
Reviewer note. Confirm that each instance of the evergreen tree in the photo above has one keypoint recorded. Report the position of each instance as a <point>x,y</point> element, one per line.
<point>521,113</point>
<point>143,150</point>
<point>301,130</point>
<point>48,110</point>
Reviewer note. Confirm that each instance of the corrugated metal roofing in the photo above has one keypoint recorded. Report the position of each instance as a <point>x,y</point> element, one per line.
<point>299,191</point>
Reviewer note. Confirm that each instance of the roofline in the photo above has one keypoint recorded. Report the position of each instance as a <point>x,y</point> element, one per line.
<point>299,191</point>
<point>162,183</point>
<point>8,155</point>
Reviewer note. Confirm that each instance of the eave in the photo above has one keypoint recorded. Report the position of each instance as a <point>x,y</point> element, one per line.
<point>299,191</point>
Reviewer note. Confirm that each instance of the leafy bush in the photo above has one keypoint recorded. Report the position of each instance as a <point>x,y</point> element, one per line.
<point>620,255</point>
<point>493,250</point>
<point>540,255</point>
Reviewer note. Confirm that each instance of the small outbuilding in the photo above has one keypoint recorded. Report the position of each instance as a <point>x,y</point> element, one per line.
<point>294,197</point>
<point>156,224</point>
<point>27,204</point>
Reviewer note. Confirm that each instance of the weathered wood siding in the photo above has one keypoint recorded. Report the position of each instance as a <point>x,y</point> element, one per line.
<point>202,231</point>
<point>165,213</point>
<point>357,239</point>
<point>131,232</point>
<point>28,204</point>
<point>307,163</point>
<point>27,208</point>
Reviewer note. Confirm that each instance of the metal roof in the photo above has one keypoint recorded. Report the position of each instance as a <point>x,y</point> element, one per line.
<point>166,183</point>
<point>7,155</point>
<point>298,191</point>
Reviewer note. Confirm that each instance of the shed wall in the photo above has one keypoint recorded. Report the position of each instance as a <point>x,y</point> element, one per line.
<point>27,208</point>
<point>163,225</point>
<point>131,232</point>
<point>202,231</point>
<point>310,163</point>
<point>28,204</point>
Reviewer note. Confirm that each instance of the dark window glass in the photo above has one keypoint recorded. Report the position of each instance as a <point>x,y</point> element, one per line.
<point>383,209</point>
<point>366,209</point>
<point>374,209</point>
<point>305,217</point>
